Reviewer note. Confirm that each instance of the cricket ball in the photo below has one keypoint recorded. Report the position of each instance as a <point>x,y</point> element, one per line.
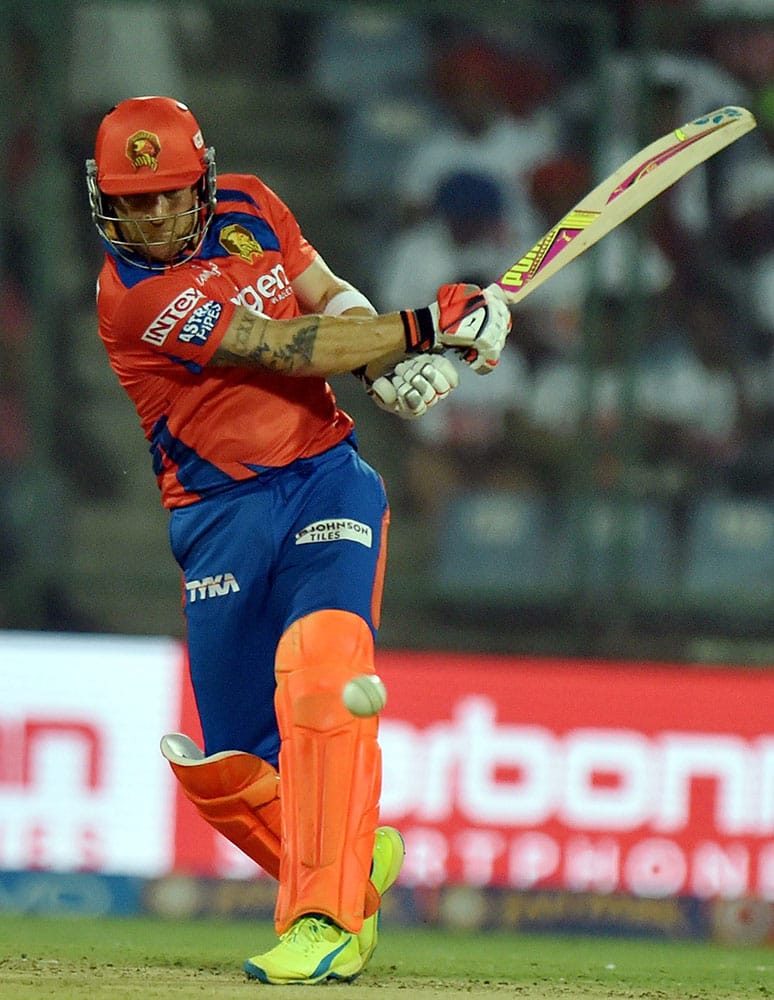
<point>365,695</point>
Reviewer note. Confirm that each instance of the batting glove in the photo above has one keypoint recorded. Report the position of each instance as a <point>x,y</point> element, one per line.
<point>474,322</point>
<point>414,385</point>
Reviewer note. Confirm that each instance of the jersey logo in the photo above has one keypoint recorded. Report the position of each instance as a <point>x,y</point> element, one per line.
<point>201,323</point>
<point>142,150</point>
<point>166,320</point>
<point>211,586</point>
<point>335,529</point>
<point>240,242</point>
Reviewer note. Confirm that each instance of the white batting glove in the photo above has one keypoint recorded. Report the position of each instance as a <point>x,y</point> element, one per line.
<point>474,322</point>
<point>414,385</point>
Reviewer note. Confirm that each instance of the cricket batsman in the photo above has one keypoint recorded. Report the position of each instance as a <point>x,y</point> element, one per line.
<point>223,324</point>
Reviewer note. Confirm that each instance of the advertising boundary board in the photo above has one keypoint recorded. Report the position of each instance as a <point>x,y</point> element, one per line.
<point>537,793</point>
<point>181,897</point>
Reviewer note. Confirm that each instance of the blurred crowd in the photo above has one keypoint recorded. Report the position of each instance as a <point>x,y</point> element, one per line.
<point>644,372</point>
<point>644,368</point>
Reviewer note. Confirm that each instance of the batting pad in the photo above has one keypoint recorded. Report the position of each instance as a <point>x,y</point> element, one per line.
<point>330,764</point>
<point>237,793</point>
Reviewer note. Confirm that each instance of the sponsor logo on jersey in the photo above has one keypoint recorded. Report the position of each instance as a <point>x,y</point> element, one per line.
<point>211,586</point>
<point>336,529</point>
<point>201,323</point>
<point>271,287</point>
<point>240,242</point>
<point>142,150</point>
<point>166,320</point>
<point>209,270</point>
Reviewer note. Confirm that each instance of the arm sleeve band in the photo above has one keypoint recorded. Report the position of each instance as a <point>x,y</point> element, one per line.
<point>351,298</point>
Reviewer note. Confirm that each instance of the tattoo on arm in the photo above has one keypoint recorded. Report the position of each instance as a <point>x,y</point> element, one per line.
<point>300,348</point>
<point>254,352</point>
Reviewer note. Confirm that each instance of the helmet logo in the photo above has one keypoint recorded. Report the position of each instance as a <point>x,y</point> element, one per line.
<point>143,149</point>
<point>240,242</point>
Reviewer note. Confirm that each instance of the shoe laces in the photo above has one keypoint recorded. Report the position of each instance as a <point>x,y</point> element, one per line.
<point>311,931</point>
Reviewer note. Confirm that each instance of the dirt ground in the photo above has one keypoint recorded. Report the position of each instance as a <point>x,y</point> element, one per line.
<point>22,979</point>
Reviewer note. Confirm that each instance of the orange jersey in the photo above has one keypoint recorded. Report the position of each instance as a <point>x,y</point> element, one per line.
<point>211,427</point>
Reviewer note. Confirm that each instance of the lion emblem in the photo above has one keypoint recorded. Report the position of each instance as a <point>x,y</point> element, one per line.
<point>142,150</point>
<point>240,242</point>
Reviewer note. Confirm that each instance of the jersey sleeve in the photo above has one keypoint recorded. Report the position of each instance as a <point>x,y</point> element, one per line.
<point>179,318</point>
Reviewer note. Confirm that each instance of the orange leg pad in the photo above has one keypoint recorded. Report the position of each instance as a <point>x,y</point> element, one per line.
<point>238,794</point>
<point>330,765</point>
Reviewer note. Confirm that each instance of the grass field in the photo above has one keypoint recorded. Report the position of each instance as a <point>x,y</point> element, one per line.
<point>74,957</point>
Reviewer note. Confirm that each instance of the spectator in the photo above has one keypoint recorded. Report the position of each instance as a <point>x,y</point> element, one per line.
<point>17,287</point>
<point>750,243</point>
<point>478,128</point>
<point>679,401</point>
<point>689,391</point>
<point>552,316</point>
<point>134,30</point>
<point>670,88</point>
<point>465,235</point>
<point>483,440</point>
<point>366,49</point>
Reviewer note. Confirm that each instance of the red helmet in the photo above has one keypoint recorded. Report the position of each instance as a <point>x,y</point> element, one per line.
<point>149,144</point>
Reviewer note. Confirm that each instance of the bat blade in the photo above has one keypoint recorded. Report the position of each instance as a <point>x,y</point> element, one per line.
<point>641,179</point>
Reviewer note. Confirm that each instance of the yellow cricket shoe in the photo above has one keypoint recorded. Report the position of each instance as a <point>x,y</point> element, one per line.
<point>389,851</point>
<point>312,950</point>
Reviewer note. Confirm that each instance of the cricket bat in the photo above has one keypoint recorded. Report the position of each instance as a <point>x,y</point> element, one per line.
<point>641,179</point>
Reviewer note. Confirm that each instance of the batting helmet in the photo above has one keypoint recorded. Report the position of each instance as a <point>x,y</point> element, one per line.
<point>149,144</point>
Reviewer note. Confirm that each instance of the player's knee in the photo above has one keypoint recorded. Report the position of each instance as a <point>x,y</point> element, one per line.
<point>316,657</point>
<point>327,639</point>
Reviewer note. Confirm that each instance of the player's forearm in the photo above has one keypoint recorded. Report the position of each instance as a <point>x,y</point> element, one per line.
<point>309,345</point>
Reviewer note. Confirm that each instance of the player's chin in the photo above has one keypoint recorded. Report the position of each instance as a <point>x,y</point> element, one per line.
<point>166,253</point>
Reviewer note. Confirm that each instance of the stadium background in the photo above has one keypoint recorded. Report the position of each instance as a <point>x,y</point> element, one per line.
<point>84,538</point>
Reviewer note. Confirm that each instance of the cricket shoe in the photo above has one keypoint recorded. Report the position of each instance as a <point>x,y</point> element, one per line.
<point>312,950</point>
<point>315,949</point>
<point>389,851</point>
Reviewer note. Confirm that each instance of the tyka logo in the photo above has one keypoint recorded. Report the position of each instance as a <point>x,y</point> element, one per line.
<point>211,586</point>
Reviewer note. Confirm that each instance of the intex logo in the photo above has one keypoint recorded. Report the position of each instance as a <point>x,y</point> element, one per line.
<point>212,586</point>
<point>336,530</point>
<point>166,321</point>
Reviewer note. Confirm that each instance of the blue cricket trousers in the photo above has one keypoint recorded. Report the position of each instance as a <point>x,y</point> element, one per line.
<point>259,556</point>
